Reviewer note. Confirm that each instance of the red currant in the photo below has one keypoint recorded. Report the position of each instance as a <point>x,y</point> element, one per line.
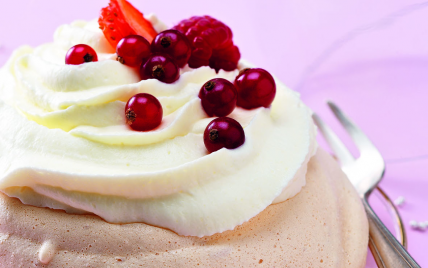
<point>80,54</point>
<point>256,87</point>
<point>223,132</point>
<point>218,97</point>
<point>132,50</point>
<point>175,44</point>
<point>143,112</point>
<point>161,67</point>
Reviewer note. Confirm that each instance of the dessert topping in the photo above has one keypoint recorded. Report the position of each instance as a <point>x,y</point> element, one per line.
<point>218,97</point>
<point>173,43</point>
<point>223,132</point>
<point>212,43</point>
<point>120,19</point>
<point>143,112</point>
<point>132,50</point>
<point>161,67</point>
<point>226,59</point>
<point>79,54</point>
<point>256,88</point>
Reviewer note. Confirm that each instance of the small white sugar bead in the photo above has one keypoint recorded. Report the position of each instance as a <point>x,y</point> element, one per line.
<point>414,224</point>
<point>399,201</point>
<point>423,225</point>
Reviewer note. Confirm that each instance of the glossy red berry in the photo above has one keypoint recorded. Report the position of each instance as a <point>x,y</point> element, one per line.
<point>161,67</point>
<point>143,112</point>
<point>120,19</point>
<point>256,88</point>
<point>173,43</point>
<point>211,41</point>
<point>226,58</point>
<point>79,54</point>
<point>132,50</point>
<point>218,97</point>
<point>223,132</point>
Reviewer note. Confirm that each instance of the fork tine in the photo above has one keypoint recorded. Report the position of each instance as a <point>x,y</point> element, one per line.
<point>363,143</point>
<point>339,149</point>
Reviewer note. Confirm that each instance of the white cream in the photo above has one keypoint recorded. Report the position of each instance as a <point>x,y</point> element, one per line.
<point>63,135</point>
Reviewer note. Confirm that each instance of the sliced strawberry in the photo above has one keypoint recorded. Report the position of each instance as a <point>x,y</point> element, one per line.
<point>137,21</point>
<point>120,19</point>
<point>113,23</point>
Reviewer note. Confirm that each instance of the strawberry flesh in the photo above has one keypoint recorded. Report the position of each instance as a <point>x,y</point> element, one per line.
<point>137,21</point>
<point>120,19</point>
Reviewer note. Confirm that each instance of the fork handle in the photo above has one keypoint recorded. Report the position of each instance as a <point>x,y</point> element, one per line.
<point>386,249</point>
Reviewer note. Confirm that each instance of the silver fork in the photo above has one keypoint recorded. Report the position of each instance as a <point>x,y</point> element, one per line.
<point>365,173</point>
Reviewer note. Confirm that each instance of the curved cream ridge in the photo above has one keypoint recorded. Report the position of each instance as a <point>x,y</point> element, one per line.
<point>63,134</point>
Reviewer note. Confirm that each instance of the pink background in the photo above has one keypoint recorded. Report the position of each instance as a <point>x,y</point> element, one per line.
<point>369,58</point>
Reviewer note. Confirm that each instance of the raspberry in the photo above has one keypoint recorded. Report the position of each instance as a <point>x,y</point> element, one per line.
<point>226,58</point>
<point>212,43</point>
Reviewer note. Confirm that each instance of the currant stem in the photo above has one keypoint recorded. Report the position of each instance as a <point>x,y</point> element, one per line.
<point>130,116</point>
<point>166,41</point>
<point>209,85</point>
<point>120,59</point>
<point>88,57</point>
<point>213,134</point>
<point>158,71</point>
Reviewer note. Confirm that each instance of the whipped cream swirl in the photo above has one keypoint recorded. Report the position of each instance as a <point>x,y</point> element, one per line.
<point>64,143</point>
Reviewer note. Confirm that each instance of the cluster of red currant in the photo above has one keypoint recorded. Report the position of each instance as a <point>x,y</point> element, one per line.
<point>197,41</point>
<point>169,51</point>
<point>211,40</point>
<point>252,88</point>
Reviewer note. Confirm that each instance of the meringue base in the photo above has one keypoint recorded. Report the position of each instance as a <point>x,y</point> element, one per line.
<point>323,226</point>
